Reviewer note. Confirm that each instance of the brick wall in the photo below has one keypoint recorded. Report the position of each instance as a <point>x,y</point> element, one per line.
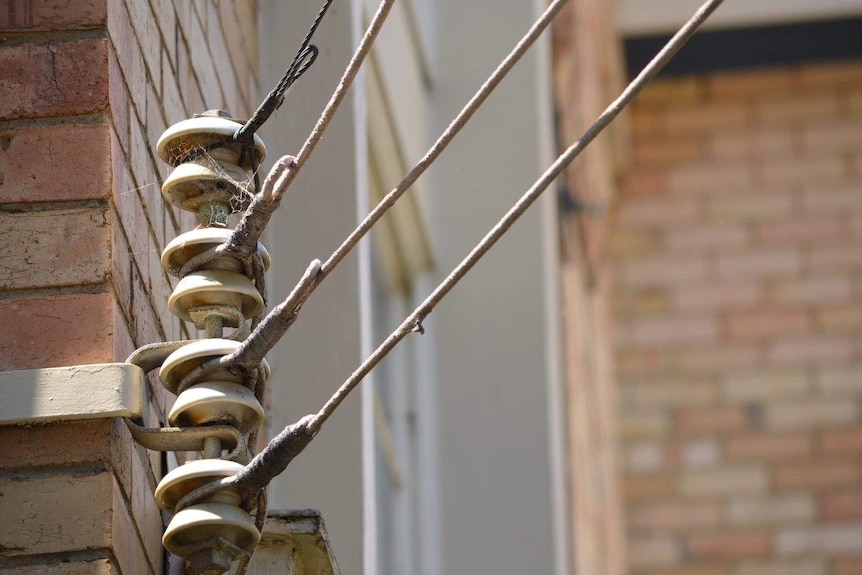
<point>737,260</point>
<point>85,90</point>
<point>587,75</point>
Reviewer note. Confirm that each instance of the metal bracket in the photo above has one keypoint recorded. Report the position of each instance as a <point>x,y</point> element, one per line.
<point>75,392</point>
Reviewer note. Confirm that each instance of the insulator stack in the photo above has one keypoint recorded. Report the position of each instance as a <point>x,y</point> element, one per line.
<point>212,178</point>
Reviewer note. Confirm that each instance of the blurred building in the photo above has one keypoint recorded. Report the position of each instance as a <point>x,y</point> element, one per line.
<point>730,254</point>
<point>657,371</point>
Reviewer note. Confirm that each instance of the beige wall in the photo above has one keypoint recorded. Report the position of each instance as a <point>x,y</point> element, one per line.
<point>736,258</point>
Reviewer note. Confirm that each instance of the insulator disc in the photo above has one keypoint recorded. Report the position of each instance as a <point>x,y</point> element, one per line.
<point>217,402</point>
<point>196,182</point>
<point>207,520</point>
<point>178,364</point>
<point>188,477</point>
<point>215,287</point>
<point>188,245</point>
<point>196,133</point>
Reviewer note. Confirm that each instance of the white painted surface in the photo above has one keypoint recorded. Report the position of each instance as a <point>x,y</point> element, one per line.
<point>74,392</point>
<point>319,210</point>
<point>644,17</point>
<point>491,332</point>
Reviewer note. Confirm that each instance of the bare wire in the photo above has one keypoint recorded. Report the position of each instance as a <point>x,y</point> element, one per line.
<point>302,61</point>
<point>283,448</point>
<point>265,203</point>
<point>244,239</point>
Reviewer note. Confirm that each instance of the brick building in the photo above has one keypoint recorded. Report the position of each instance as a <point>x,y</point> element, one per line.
<point>674,387</point>
<point>730,258</point>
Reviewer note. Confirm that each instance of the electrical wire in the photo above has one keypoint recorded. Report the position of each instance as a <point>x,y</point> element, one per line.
<point>275,457</point>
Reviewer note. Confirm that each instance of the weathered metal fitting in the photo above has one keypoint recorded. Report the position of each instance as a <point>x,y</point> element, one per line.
<point>211,556</point>
<point>215,287</point>
<point>209,521</point>
<point>217,516</point>
<point>217,402</point>
<point>187,137</point>
<point>181,363</point>
<point>192,244</point>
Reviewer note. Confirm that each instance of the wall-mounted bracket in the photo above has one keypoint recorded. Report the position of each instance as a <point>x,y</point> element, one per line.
<point>75,392</point>
<point>294,542</point>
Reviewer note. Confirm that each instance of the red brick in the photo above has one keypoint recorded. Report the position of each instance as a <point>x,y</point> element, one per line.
<point>710,178</point>
<point>762,384</point>
<point>671,91</point>
<point>806,170</point>
<point>812,413</point>
<point>660,271</point>
<point>668,392</point>
<point>689,568</point>
<point>40,15</point>
<point>841,380</point>
<point>729,545</point>
<point>706,238</point>
<point>128,52</point>
<point>794,108</point>
<point>644,488</point>
<point>61,78</point>
<point>54,248</point>
<point>765,447</point>
<point>724,481</point>
<point>847,566</point>
<point>759,324</point>
<point>758,264</point>
<point>643,183</point>
<point>55,163</point>
<point>845,440</point>
<point>83,567</point>
<point>763,143</point>
<point>842,506</point>
<point>711,419</point>
<point>716,295</point>
<point>841,258</point>
<point>129,214</point>
<point>27,447</point>
<point>844,319</point>
<point>800,231</point>
<point>771,83</point>
<point>750,207</point>
<point>650,212</point>
<point>832,200</point>
<point>763,510</point>
<point>667,332</point>
<point>825,539</point>
<point>53,331</point>
<point>793,567</point>
<point>669,152</point>
<point>626,242</point>
<point>653,551</point>
<point>842,135</point>
<point>147,31</point>
<point>832,73</point>
<point>702,118</point>
<point>675,516</point>
<point>719,357</point>
<point>818,475</point>
<point>56,513</point>
<point>813,349</point>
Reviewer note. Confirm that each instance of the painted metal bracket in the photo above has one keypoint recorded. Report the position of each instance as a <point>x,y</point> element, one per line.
<point>75,392</point>
<point>294,542</point>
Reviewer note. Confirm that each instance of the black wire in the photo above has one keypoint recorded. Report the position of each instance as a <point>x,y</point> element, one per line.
<point>305,57</point>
